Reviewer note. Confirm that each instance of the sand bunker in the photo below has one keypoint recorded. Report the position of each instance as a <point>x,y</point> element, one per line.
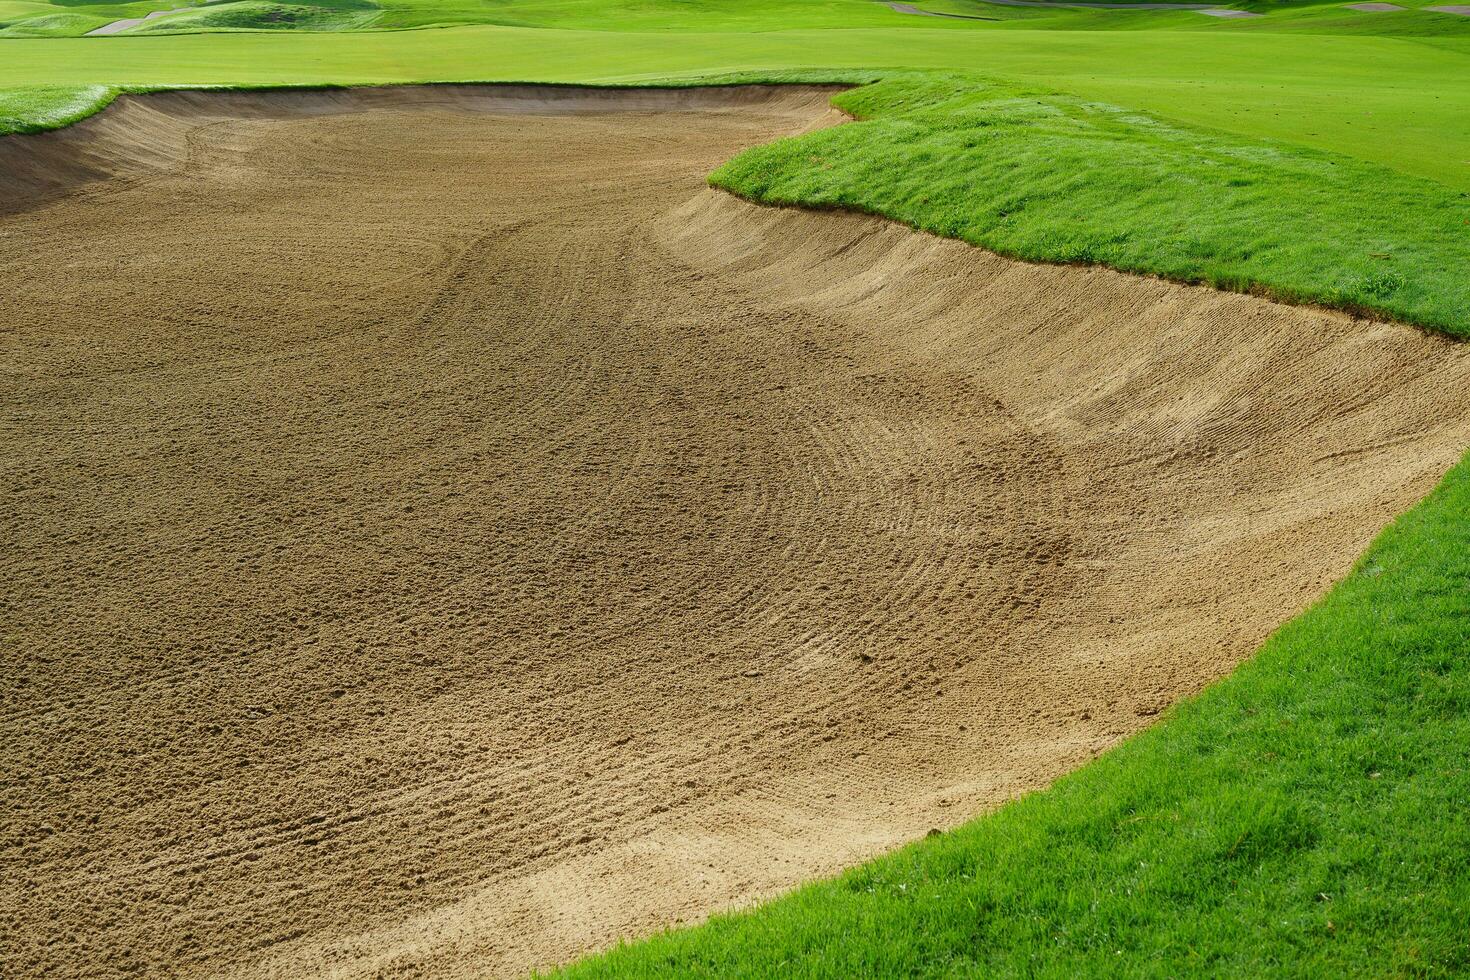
<point>118,26</point>
<point>446,538</point>
<point>1103,5</point>
<point>908,8</point>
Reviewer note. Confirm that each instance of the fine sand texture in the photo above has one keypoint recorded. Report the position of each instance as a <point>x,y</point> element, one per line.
<point>443,537</point>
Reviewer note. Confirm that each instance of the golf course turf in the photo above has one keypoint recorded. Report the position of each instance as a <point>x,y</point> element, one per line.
<point>1019,172</point>
<point>1305,816</point>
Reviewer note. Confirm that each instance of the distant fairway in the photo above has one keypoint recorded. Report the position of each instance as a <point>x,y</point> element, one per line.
<point>1406,111</point>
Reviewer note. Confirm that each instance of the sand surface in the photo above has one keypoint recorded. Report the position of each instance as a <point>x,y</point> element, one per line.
<point>1100,5</point>
<point>908,8</point>
<point>442,536</point>
<point>118,26</point>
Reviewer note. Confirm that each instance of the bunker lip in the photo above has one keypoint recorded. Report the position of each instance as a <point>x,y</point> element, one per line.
<point>118,26</point>
<point>142,133</point>
<point>453,540</point>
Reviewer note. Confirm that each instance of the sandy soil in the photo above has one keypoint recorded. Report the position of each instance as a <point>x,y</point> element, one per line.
<point>442,539</point>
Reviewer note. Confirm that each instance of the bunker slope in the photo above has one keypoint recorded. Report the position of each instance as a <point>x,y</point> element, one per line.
<point>444,537</point>
<point>118,26</point>
<point>908,8</point>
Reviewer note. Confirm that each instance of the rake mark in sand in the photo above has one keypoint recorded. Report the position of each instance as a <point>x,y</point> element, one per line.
<point>445,536</point>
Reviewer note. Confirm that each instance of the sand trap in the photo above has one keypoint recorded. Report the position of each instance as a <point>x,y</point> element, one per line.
<point>1374,7</point>
<point>908,8</point>
<point>1462,9</point>
<point>1100,6</point>
<point>444,539</point>
<point>118,26</point>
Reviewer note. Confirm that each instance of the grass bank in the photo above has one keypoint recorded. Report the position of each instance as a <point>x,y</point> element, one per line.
<point>1054,178</point>
<point>1393,101</point>
<point>42,107</point>
<point>1308,817</point>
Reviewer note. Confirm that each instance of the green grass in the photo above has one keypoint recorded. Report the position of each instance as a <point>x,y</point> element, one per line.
<point>1400,102</point>
<point>68,18</point>
<point>1018,172</point>
<point>264,15</point>
<point>32,110</point>
<point>1308,817</point>
<point>762,15</point>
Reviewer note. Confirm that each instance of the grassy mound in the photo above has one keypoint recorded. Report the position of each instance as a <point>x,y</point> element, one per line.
<point>51,25</point>
<point>264,15</point>
<point>34,110</point>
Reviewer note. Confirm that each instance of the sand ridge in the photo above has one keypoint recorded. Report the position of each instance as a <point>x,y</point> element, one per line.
<point>445,537</point>
<point>118,26</point>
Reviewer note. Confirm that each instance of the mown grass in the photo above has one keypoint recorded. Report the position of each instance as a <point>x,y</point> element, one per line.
<point>263,15</point>
<point>1308,817</point>
<point>43,107</point>
<point>760,15</point>
<point>1059,179</point>
<point>68,18</point>
<point>1399,102</point>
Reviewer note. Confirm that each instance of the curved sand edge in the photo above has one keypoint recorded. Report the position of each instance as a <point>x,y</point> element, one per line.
<point>457,575</point>
<point>141,134</point>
